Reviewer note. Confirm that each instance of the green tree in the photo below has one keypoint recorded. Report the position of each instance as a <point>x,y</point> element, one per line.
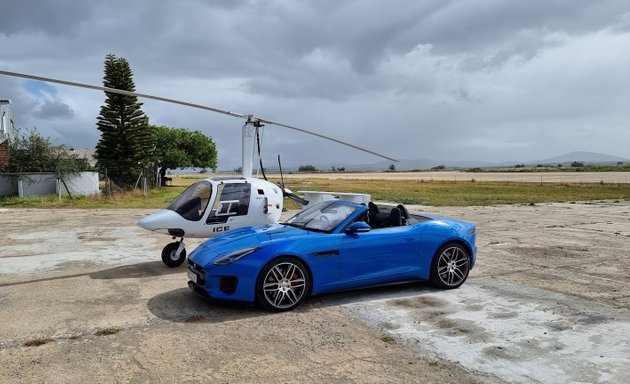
<point>126,146</point>
<point>181,148</point>
<point>34,153</point>
<point>307,168</point>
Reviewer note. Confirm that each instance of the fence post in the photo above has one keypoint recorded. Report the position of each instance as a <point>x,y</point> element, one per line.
<point>58,188</point>
<point>20,188</point>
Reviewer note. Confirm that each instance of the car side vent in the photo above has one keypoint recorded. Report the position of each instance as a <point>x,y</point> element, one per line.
<point>228,284</point>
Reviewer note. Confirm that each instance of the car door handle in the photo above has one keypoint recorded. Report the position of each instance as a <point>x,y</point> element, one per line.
<point>410,238</point>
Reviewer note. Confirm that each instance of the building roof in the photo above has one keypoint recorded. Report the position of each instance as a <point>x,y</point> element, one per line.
<point>87,154</point>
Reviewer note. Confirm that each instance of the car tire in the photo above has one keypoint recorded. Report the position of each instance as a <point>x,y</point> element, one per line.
<point>169,252</point>
<point>283,284</point>
<point>450,266</point>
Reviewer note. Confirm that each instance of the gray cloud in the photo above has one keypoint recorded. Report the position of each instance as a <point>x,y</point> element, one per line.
<point>23,103</point>
<point>474,79</point>
<point>53,109</point>
<point>42,16</point>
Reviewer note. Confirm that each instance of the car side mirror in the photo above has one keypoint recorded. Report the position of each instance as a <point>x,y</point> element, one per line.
<point>358,227</point>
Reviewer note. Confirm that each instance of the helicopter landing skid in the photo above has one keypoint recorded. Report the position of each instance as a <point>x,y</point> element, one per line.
<point>174,254</point>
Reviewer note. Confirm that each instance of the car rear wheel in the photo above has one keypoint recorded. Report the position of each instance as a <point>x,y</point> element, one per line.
<point>282,284</point>
<point>450,266</point>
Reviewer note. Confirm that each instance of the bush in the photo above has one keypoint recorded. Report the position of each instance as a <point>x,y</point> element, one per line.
<point>34,153</point>
<point>307,168</point>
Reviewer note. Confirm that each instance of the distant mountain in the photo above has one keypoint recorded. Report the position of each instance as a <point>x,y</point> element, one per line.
<point>565,160</point>
<point>419,164</point>
<point>582,156</point>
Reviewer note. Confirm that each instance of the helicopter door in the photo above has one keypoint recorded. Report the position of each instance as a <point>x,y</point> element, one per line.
<point>233,201</point>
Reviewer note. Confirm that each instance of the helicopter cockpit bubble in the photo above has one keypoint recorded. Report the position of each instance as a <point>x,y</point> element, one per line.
<point>192,203</point>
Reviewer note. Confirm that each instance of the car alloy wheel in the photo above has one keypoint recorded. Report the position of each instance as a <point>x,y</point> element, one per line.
<point>450,266</point>
<point>283,285</point>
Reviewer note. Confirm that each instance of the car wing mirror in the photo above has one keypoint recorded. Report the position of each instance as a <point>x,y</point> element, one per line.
<point>358,227</point>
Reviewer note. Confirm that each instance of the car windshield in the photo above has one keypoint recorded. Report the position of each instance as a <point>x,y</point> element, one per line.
<point>322,217</point>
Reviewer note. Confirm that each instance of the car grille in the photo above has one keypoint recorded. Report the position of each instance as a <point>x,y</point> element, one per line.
<point>199,271</point>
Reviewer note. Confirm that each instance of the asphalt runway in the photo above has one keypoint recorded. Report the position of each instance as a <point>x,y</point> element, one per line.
<point>526,177</point>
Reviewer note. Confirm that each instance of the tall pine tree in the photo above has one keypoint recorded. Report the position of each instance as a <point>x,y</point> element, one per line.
<point>127,145</point>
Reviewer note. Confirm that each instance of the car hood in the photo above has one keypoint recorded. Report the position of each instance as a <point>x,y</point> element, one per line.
<point>243,238</point>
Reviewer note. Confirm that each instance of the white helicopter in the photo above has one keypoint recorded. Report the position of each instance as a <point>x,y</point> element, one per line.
<point>217,205</point>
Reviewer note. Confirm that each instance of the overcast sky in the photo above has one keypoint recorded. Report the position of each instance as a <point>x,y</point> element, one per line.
<point>488,80</point>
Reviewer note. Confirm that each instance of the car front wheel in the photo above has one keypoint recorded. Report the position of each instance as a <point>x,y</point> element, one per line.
<point>450,266</point>
<point>283,284</point>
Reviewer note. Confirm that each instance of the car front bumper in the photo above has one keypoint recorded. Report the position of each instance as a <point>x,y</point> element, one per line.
<point>232,282</point>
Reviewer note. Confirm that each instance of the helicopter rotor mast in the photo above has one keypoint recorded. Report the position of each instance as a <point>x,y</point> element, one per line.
<point>252,123</point>
<point>250,130</point>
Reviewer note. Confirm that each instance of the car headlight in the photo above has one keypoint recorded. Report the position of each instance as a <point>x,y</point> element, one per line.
<point>233,256</point>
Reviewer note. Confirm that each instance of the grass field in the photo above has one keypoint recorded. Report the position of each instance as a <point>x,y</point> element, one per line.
<point>433,193</point>
<point>467,193</point>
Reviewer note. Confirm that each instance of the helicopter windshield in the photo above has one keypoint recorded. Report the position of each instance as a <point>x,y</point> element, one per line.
<point>191,203</point>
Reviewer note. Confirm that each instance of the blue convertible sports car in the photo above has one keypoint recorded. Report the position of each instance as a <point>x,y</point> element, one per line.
<point>332,246</point>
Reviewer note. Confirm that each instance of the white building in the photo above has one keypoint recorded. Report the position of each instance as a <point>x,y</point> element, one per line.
<point>7,125</point>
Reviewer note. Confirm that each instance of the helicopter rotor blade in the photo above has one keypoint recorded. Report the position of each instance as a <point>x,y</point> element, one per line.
<point>122,92</point>
<point>249,118</point>
<point>327,138</point>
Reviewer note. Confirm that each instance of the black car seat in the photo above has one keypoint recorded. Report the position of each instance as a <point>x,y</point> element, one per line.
<point>404,214</point>
<point>371,216</point>
<point>395,217</point>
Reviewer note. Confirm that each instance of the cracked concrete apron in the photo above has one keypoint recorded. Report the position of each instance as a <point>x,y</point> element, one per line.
<point>547,302</point>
